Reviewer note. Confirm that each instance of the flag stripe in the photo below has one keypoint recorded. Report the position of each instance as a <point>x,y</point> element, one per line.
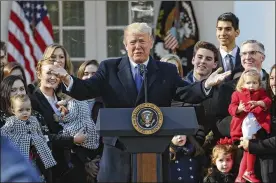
<point>18,46</point>
<point>48,25</point>
<point>30,32</point>
<point>14,27</point>
<point>170,42</point>
<point>40,42</point>
<point>20,13</point>
<point>23,37</point>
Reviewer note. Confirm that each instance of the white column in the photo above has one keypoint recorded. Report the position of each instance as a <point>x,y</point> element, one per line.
<point>257,21</point>
<point>5,15</point>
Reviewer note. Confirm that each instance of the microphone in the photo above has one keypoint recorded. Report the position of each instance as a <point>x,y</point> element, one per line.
<point>143,71</point>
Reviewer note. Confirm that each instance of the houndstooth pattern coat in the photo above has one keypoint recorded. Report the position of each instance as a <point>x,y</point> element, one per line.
<point>23,133</point>
<point>79,117</point>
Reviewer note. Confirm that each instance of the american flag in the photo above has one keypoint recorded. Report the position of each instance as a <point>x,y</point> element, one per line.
<point>30,32</point>
<point>170,41</point>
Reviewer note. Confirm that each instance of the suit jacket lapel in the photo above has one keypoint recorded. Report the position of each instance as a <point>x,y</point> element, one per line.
<point>126,78</point>
<point>238,59</point>
<point>151,77</point>
<point>42,99</point>
<point>220,64</point>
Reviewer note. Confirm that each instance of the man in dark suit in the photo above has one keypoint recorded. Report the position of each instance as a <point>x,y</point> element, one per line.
<point>255,146</point>
<point>227,31</point>
<point>252,55</point>
<point>118,82</point>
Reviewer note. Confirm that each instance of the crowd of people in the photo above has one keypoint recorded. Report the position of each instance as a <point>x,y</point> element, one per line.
<point>52,122</point>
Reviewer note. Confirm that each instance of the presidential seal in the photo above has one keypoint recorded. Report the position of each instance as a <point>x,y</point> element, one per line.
<point>147,118</point>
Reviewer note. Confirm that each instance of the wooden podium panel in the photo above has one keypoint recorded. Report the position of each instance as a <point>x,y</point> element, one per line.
<point>147,167</point>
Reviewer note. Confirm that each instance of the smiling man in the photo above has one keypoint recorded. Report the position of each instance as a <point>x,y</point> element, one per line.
<point>205,60</point>
<point>252,56</point>
<point>120,84</point>
<point>227,31</point>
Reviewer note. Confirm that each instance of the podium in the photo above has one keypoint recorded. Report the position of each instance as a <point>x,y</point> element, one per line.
<point>146,159</point>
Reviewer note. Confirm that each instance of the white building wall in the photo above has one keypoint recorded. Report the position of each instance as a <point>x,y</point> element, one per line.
<point>5,13</point>
<point>257,21</point>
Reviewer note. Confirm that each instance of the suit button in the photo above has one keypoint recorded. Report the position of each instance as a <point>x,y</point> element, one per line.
<point>176,161</point>
<point>191,168</point>
<point>29,132</point>
<point>190,159</point>
<point>178,169</point>
<point>191,177</point>
<point>179,178</point>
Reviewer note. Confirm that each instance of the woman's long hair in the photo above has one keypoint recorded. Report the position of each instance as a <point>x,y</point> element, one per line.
<point>5,88</point>
<point>84,65</point>
<point>10,66</point>
<point>269,90</point>
<point>49,52</point>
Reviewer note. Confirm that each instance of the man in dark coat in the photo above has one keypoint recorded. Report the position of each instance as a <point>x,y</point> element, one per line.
<point>227,31</point>
<point>118,82</point>
<point>252,55</point>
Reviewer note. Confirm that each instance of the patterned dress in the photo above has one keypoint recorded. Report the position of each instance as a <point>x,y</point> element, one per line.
<point>79,117</point>
<point>33,154</point>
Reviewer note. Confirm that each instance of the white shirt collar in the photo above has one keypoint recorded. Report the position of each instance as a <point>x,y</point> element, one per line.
<point>51,100</point>
<point>133,64</point>
<point>233,53</point>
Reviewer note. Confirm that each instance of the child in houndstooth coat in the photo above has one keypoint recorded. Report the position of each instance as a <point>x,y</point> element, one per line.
<point>25,132</point>
<point>75,116</point>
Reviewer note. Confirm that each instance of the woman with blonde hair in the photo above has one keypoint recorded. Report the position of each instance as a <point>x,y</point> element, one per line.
<point>58,53</point>
<point>174,59</point>
<point>44,99</point>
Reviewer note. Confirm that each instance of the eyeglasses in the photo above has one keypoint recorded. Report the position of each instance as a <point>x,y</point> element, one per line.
<point>251,53</point>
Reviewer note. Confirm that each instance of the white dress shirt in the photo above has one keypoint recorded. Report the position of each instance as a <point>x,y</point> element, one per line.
<point>233,54</point>
<point>133,66</point>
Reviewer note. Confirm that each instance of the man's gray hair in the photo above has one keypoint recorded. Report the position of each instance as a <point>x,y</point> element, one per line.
<point>138,28</point>
<point>260,45</point>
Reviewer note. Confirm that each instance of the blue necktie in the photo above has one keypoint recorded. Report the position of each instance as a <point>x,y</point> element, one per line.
<point>138,78</point>
<point>229,63</point>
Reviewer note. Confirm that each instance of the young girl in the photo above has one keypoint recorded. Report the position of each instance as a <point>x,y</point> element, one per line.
<point>185,161</point>
<point>25,132</point>
<point>222,160</point>
<point>76,115</point>
<point>250,117</point>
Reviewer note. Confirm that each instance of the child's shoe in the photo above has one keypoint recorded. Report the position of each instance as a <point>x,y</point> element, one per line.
<point>240,180</point>
<point>250,177</point>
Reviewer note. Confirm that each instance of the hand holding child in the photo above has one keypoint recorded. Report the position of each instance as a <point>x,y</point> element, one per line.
<point>80,137</point>
<point>254,104</point>
<point>241,108</point>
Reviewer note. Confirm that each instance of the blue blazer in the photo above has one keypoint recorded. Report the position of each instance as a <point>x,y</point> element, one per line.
<point>115,84</point>
<point>14,167</point>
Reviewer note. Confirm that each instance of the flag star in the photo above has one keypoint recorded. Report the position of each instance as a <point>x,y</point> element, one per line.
<point>38,15</point>
<point>27,13</point>
<point>38,6</point>
<point>45,7</point>
<point>28,5</point>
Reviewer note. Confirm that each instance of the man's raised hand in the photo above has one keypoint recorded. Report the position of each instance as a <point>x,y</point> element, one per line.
<point>215,78</point>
